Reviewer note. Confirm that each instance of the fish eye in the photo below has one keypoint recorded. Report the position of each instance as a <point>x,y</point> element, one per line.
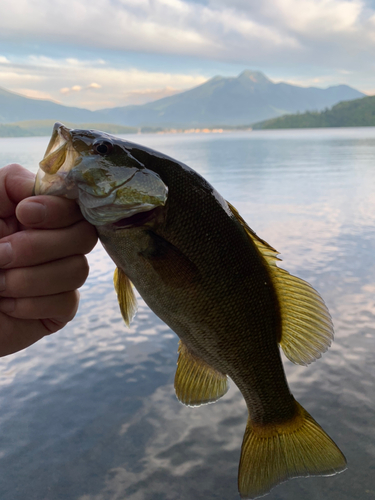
<point>104,148</point>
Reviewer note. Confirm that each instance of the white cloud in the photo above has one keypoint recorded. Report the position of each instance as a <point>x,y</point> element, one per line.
<point>35,94</point>
<point>312,16</point>
<point>294,37</point>
<point>248,31</point>
<point>79,88</point>
<point>13,77</point>
<point>72,61</point>
<point>94,86</point>
<point>146,25</point>
<point>89,84</point>
<point>170,26</point>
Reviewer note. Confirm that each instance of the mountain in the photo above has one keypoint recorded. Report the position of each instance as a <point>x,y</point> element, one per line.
<point>357,113</point>
<point>30,128</point>
<point>251,97</point>
<point>15,107</point>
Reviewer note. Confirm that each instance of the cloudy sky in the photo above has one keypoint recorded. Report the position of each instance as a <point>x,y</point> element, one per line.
<point>104,53</point>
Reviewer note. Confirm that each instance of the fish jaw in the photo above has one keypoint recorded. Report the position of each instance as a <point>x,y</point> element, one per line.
<point>107,188</point>
<point>134,196</point>
<point>57,162</point>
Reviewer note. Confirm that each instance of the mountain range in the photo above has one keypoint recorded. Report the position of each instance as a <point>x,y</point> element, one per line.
<point>249,98</point>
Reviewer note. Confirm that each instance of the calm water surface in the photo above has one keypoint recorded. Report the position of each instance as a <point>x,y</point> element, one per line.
<point>90,413</point>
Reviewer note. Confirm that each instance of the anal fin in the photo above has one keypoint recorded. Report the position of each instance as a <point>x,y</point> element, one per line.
<point>125,295</point>
<point>197,383</point>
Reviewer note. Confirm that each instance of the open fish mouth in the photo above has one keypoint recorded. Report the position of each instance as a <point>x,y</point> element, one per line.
<point>55,155</point>
<point>58,160</point>
<point>107,187</point>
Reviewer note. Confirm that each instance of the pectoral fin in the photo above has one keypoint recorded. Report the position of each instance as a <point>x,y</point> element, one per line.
<point>307,330</point>
<point>125,295</point>
<point>173,267</point>
<point>197,383</point>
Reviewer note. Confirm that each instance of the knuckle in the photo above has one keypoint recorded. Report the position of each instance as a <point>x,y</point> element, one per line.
<point>21,282</point>
<point>80,269</point>
<point>60,308</point>
<point>17,283</point>
<point>11,168</point>
<point>88,236</point>
<point>52,325</point>
<point>70,301</point>
<point>23,308</point>
<point>61,212</point>
<point>24,247</point>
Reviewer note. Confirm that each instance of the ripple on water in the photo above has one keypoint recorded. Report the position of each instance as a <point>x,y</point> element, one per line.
<point>90,413</point>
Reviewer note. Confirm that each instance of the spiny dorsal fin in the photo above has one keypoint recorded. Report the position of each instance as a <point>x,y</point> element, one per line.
<point>307,330</point>
<point>125,295</point>
<point>197,383</point>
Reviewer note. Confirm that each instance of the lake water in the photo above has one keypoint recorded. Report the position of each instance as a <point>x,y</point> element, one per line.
<point>90,413</point>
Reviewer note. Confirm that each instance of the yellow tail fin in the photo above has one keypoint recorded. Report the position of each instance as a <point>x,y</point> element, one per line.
<point>273,454</point>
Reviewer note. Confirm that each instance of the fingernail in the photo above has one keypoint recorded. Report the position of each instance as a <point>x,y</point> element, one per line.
<point>2,281</point>
<point>7,305</point>
<point>6,253</point>
<point>33,212</point>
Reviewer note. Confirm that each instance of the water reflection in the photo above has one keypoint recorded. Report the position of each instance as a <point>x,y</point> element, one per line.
<point>90,413</point>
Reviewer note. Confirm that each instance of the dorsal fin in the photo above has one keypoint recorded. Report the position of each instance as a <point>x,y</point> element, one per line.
<point>197,383</point>
<point>125,295</point>
<point>307,330</point>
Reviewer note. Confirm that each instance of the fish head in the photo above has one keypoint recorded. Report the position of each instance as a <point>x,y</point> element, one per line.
<point>100,173</point>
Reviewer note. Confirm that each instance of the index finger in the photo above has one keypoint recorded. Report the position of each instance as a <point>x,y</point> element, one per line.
<point>16,183</point>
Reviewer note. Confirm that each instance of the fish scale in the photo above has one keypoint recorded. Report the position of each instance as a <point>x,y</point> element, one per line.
<point>225,313</point>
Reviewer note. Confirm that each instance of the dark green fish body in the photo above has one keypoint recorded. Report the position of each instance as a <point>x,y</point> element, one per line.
<point>200,273</point>
<point>207,275</point>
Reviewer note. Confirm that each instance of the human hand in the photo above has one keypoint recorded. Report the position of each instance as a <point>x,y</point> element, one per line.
<point>43,240</point>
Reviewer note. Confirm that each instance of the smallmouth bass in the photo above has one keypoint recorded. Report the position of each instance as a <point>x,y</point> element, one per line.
<point>207,275</point>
